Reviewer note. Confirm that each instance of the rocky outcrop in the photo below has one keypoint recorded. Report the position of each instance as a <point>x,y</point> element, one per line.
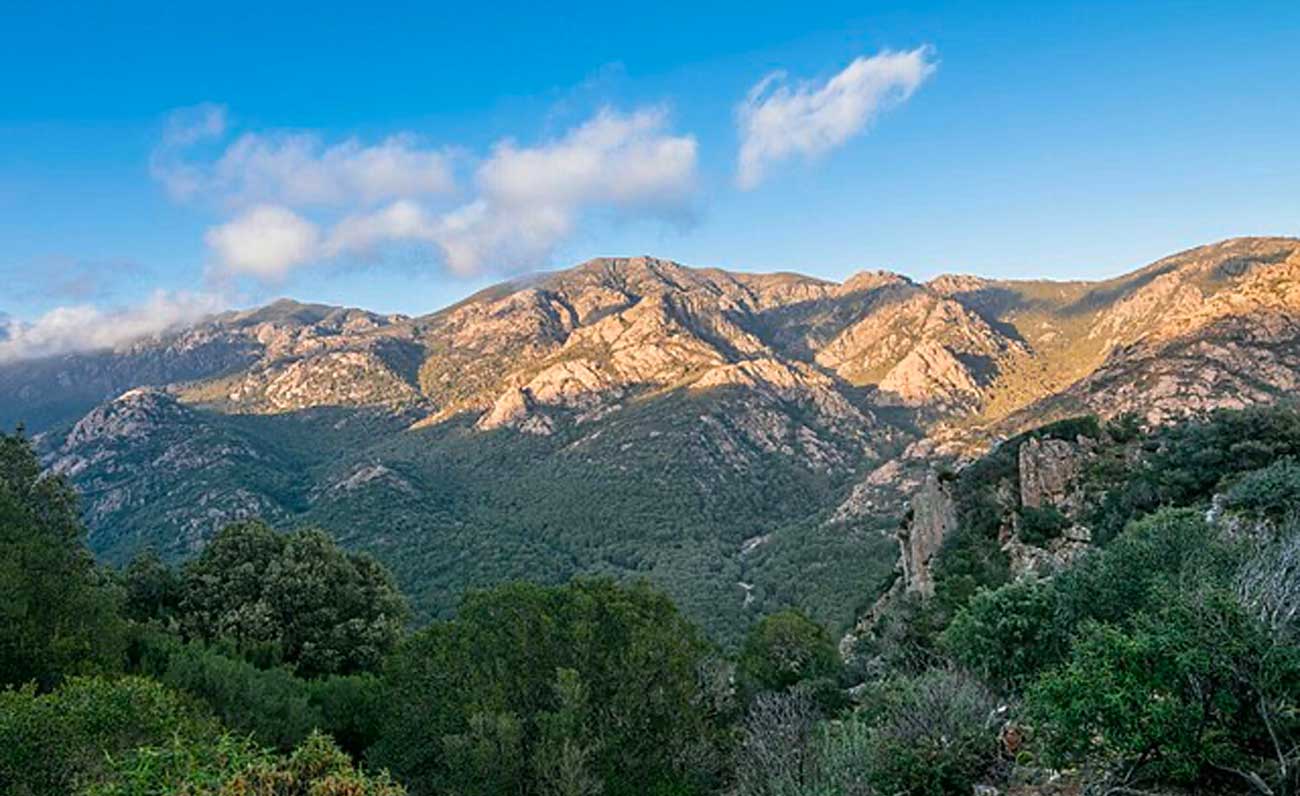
<point>1048,469</point>
<point>933,518</point>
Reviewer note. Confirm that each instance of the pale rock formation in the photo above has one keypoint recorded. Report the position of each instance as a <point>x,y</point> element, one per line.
<point>934,517</point>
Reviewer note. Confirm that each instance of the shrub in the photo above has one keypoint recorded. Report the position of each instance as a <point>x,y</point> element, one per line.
<point>272,705</point>
<point>935,734</point>
<point>152,589</point>
<point>1193,691</point>
<point>228,766</point>
<point>1041,524</point>
<point>52,744</point>
<point>1271,493</point>
<point>1008,635</point>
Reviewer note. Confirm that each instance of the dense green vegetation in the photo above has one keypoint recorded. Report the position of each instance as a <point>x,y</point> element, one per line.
<point>645,495</point>
<point>1165,656</point>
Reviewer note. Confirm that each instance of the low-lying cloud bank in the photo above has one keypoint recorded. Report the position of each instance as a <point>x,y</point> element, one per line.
<point>72,329</point>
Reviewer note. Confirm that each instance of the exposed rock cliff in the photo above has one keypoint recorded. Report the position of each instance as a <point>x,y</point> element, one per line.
<point>932,518</point>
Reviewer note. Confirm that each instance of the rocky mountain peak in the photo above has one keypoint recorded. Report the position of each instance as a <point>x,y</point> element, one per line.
<point>132,415</point>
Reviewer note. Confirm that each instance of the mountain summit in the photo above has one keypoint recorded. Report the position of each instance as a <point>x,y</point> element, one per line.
<point>715,431</point>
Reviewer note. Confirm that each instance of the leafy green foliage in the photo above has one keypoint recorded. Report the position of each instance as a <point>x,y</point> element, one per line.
<point>325,611</point>
<point>1187,463</point>
<point>53,744</point>
<point>932,735</point>
<point>1009,634</point>
<point>271,705</point>
<point>228,766</point>
<point>1270,493</point>
<point>611,675</point>
<point>1041,524</point>
<point>153,590</point>
<point>787,649</point>
<point>57,615</point>
<point>1193,691</point>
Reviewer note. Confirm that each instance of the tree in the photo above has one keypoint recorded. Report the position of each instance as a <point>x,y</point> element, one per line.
<point>574,687</point>
<point>785,649</point>
<point>152,589</point>
<point>295,595</point>
<point>932,735</point>
<point>567,746</point>
<point>778,754</point>
<point>57,616</point>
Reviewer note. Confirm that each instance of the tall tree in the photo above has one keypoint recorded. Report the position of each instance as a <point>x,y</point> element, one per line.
<point>323,610</point>
<point>581,689</point>
<point>57,614</point>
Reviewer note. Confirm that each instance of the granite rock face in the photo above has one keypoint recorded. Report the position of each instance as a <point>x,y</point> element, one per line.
<point>1048,469</point>
<point>933,518</point>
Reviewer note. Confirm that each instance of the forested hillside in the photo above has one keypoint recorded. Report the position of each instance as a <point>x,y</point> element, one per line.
<point>1097,607</point>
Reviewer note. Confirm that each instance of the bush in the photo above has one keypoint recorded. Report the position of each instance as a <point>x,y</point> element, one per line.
<point>1040,524</point>
<point>934,735</point>
<point>53,744</point>
<point>1194,691</point>
<point>787,750</point>
<point>272,705</point>
<point>1169,546</point>
<point>227,766</point>
<point>1271,493</point>
<point>152,589</point>
<point>1008,635</point>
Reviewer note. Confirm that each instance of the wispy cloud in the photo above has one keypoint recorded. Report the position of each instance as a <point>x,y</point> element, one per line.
<point>84,327</point>
<point>183,129</point>
<point>297,200</point>
<point>529,199</point>
<point>778,121</point>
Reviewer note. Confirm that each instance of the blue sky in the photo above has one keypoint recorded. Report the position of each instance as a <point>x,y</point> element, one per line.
<point>1021,139</point>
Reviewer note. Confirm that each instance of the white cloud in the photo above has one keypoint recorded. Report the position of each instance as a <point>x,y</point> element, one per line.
<point>778,121</point>
<point>265,242</point>
<point>188,126</point>
<point>529,199</point>
<point>293,169</point>
<point>298,169</point>
<point>621,160</point>
<point>87,328</point>
<point>299,200</point>
<point>401,220</point>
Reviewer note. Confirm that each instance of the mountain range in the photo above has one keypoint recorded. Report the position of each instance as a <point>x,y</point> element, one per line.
<point>746,441</point>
